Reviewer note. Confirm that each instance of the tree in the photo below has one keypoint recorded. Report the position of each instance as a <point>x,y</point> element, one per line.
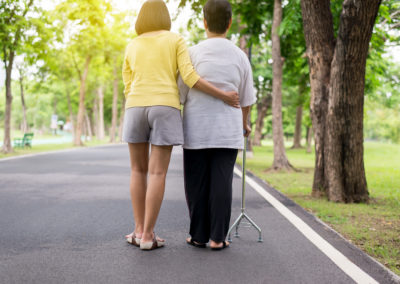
<point>258,18</point>
<point>62,70</point>
<point>21,72</point>
<point>299,113</point>
<point>81,110</point>
<point>13,24</point>
<point>86,43</point>
<point>100,76</point>
<point>281,161</point>
<point>337,77</point>
<point>263,104</point>
<point>263,83</point>
<point>100,114</point>
<point>295,71</point>
<point>116,44</point>
<point>121,119</point>
<point>114,116</point>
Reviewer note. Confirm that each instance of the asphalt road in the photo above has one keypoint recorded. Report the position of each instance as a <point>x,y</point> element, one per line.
<point>63,217</point>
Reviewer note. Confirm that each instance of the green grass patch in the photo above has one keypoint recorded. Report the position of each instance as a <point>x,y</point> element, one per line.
<point>374,227</point>
<point>49,147</point>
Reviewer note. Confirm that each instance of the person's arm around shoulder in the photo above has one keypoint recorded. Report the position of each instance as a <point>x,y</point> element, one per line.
<point>193,80</point>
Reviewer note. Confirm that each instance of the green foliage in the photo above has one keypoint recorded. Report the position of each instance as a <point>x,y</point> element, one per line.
<point>25,29</point>
<point>82,23</point>
<point>13,25</point>
<point>382,122</point>
<point>262,70</point>
<point>255,17</point>
<point>55,43</point>
<point>336,9</point>
<point>37,42</point>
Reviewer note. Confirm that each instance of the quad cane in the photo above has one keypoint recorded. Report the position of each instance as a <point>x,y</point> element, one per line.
<point>243,215</point>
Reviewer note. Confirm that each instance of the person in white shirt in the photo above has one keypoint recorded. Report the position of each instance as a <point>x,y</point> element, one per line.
<point>213,130</point>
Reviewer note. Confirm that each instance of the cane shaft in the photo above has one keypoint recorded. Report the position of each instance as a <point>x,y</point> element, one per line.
<point>244,175</point>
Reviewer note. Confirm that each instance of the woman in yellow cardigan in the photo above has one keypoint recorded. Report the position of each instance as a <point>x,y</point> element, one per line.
<point>152,115</point>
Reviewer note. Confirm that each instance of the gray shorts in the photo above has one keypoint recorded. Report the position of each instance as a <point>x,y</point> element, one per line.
<point>158,125</point>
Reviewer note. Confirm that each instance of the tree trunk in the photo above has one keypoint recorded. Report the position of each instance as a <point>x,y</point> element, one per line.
<point>299,113</point>
<point>100,96</point>
<point>71,115</point>
<point>121,120</point>
<point>7,147</point>
<point>24,120</point>
<point>114,106</point>
<point>81,111</point>
<point>280,160</point>
<point>84,131</point>
<point>297,130</point>
<point>96,116</point>
<point>320,42</point>
<point>88,126</point>
<point>309,139</point>
<point>344,152</point>
<point>337,76</point>
<point>262,109</point>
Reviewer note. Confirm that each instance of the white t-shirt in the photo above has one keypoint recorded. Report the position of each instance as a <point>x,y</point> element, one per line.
<point>207,121</point>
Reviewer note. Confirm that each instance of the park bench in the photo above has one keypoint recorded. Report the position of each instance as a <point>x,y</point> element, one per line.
<point>23,142</point>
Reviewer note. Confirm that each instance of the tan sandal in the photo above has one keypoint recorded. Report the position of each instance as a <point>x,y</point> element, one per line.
<point>154,244</point>
<point>133,240</point>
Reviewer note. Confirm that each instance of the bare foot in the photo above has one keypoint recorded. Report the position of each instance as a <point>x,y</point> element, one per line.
<point>138,236</point>
<point>215,245</point>
<point>149,238</point>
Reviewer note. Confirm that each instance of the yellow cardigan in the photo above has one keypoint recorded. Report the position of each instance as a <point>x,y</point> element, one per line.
<point>151,68</point>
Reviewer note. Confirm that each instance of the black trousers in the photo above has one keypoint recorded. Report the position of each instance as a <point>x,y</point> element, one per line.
<point>208,188</point>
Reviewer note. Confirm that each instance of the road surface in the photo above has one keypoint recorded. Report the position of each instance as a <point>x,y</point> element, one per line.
<point>63,217</point>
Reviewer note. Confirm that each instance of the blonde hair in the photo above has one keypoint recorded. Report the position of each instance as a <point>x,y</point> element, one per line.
<point>153,16</point>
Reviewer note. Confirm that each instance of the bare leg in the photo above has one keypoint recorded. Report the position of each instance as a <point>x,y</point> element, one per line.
<point>158,167</point>
<point>139,155</point>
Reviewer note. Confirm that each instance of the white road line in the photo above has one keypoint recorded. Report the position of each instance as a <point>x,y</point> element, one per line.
<point>352,270</point>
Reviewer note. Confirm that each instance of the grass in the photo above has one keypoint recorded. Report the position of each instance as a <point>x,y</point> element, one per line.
<point>373,227</point>
<point>45,147</point>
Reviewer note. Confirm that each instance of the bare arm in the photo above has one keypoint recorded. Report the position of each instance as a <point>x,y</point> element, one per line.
<point>183,90</point>
<point>246,126</point>
<point>230,98</point>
